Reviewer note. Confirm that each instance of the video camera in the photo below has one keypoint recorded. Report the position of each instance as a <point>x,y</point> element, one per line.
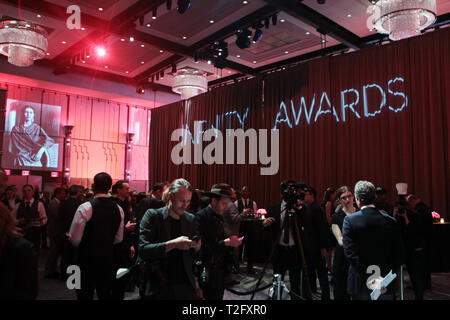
<point>293,191</point>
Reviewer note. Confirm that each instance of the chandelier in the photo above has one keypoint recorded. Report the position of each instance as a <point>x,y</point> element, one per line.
<point>403,18</point>
<point>189,82</point>
<point>22,42</point>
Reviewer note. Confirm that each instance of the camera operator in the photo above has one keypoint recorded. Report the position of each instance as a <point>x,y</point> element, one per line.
<point>286,254</point>
<point>165,237</point>
<point>216,252</point>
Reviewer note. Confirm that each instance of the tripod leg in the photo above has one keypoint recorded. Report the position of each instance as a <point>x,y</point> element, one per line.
<point>302,254</point>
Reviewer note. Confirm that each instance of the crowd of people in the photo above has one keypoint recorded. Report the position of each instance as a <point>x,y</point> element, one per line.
<point>184,243</point>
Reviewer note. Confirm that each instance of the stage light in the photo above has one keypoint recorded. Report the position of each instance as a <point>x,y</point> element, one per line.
<point>257,36</point>
<point>183,5</point>
<point>243,39</point>
<point>100,50</point>
<point>140,90</point>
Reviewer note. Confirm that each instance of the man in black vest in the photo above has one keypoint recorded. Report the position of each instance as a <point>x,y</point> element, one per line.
<point>31,216</point>
<point>166,237</point>
<point>216,249</point>
<point>96,227</point>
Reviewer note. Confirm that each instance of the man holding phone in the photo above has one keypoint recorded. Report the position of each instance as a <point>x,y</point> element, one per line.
<point>217,251</point>
<point>166,236</point>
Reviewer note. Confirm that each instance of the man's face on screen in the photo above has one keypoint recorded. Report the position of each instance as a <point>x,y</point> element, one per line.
<point>29,116</point>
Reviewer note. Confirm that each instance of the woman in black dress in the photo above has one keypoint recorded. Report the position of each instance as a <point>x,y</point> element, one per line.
<point>340,264</point>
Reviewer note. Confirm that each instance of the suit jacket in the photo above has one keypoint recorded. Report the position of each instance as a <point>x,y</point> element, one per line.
<point>147,203</point>
<point>66,212</point>
<point>371,238</point>
<point>53,227</point>
<point>154,231</point>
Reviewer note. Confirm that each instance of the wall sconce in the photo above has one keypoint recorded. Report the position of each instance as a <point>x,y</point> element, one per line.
<point>68,130</point>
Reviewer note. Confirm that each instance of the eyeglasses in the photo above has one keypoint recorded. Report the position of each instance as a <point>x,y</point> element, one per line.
<point>347,197</point>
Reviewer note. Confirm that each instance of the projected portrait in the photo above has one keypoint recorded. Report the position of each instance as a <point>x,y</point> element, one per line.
<point>31,135</point>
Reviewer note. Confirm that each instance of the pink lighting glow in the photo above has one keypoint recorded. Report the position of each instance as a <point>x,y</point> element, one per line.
<point>25,173</point>
<point>435,215</point>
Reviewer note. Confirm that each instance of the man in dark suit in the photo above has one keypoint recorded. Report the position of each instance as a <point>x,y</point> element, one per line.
<point>372,241</point>
<point>153,202</point>
<point>66,212</point>
<point>216,251</point>
<point>165,239</point>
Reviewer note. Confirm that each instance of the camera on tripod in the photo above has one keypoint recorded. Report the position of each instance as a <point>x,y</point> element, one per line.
<point>293,192</point>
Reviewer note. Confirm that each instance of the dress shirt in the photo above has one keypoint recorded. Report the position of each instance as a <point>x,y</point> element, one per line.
<point>83,215</point>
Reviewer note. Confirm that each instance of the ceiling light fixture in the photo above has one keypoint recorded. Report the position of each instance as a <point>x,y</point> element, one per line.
<point>154,13</point>
<point>243,39</point>
<point>22,42</point>
<point>257,36</point>
<point>403,19</point>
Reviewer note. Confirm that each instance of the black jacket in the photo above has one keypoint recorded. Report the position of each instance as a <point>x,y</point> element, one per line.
<point>154,231</point>
<point>371,238</point>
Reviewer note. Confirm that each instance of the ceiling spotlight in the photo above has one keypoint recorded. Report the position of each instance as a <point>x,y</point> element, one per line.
<point>161,51</point>
<point>39,16</point>
<point>243,40</point>
<point>274,19</point>
<point>154,13</point>
<point>140,90</point>
<point>162,74</point>
<point>244,2</point>
<point>320,1</point>
<point>257,36</point>
<point>169,4</point>
<point>282,20</point>
<point>101,51</point>
<point>183,5</point>
<point>184,37</point>
<point>148,25</point>
<point>131,39</point>
<point>100,9</point>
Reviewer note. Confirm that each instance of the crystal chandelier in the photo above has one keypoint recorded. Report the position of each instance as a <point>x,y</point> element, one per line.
<point>189,82</point>
<point>22,42</point>
<point>403,18</point>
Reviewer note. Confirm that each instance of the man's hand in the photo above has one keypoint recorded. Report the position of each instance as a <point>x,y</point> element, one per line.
<point>247,211</point>
<point>374,284</point>
<point>180,243</point>
<point>17,231</point>
<point>233,241</point>
<point>267,222</point>
<point>130,226</point>
<point>196,244</point>
<point>132,252</point>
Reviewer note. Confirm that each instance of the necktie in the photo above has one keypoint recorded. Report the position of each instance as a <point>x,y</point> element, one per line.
<point>286,228</point>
